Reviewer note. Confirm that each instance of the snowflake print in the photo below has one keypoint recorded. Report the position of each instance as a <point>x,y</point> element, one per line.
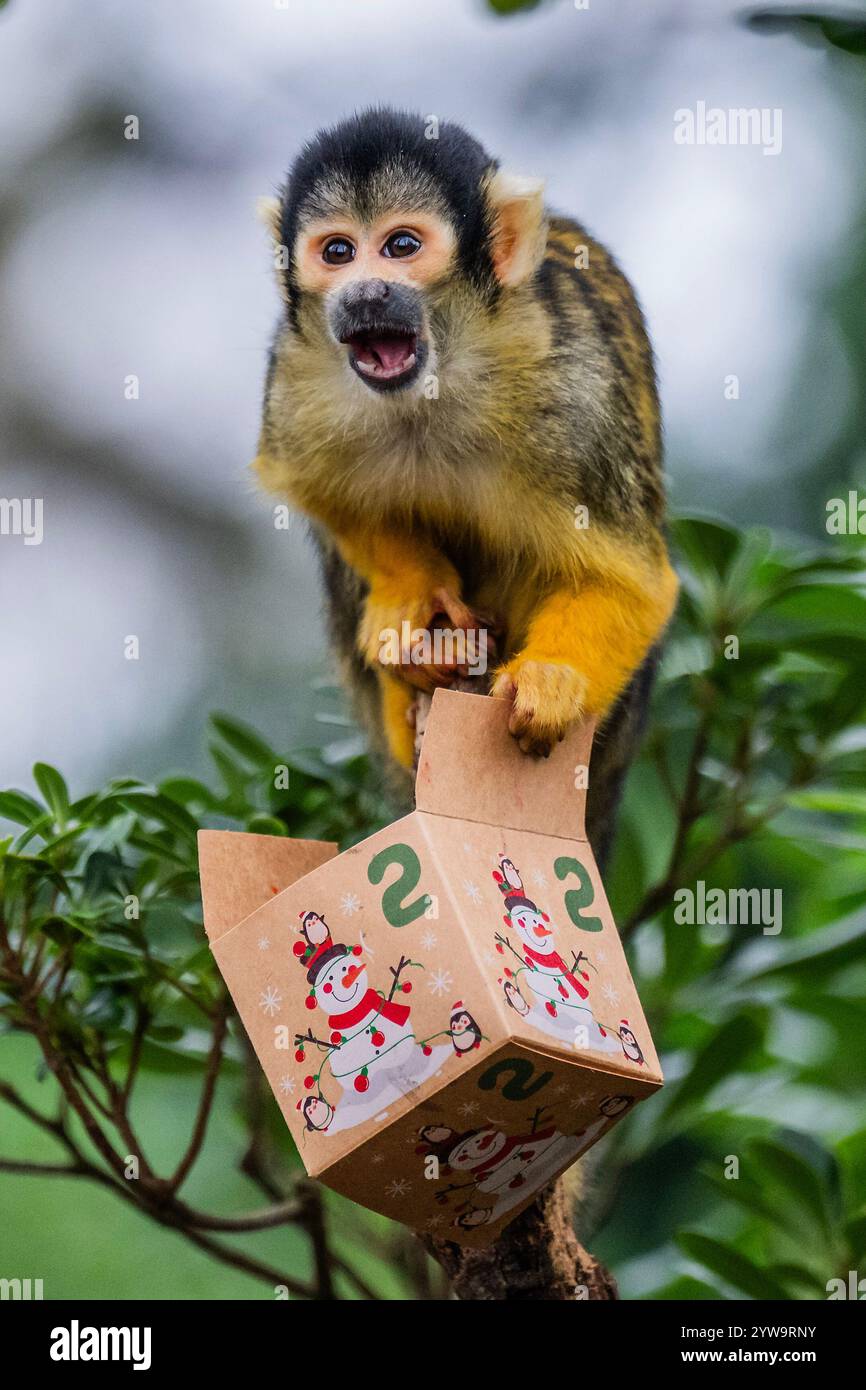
<point>540,878</point>
<point>610,994</point>
<point>434,1222</point>
<point>287,1085</point>
<point>579,1101</point>
<point>467,848</point>
<point>378,1158</point>
<point>263,943</point>
<point>469,1107</point>
<point>440,982</point>
<point>350,903</point>
<point>398,1188</point>
<point>472,891</point>
<point>428,940</point>
<point>601,957</point>
<point>270,1001</point>
<point>489,958</point>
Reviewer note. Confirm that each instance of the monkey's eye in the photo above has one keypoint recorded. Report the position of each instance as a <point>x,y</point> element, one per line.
<point>401,244</point>
<point>338,251</point>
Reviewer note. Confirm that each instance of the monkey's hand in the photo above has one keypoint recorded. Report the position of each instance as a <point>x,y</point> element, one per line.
<point>414,623</point>
<point>581,650</point>
<point>547,698</point>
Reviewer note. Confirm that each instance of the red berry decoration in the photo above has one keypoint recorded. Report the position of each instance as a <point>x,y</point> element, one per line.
<point>407,988</point>
<point>299,1055</point>
<point>299,948</point>
<point>500,948</point>
<point>509,972</point>
<point>336,1038</point>
<point>310,1001</point>
<point>426,1049</point>
<point>378,1038</point>
<point>309,1082</point>
<point>361,1083</point>
<point>356,950</point>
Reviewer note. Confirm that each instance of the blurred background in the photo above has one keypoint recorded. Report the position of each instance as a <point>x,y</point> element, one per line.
<point>144,258</point>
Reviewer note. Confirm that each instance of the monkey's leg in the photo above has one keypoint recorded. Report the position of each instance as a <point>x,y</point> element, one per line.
<point>398,699</point>
<point>580,652</point>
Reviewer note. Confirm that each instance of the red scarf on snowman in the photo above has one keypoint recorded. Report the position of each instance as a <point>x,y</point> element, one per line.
<point>371,1003</point>
<point>553,958</point>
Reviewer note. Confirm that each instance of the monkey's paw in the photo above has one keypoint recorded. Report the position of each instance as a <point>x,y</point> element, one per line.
<point>547,698</point>
<point>426,641</point>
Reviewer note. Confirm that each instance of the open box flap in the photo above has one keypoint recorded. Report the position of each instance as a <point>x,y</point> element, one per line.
<point>472,769</point>
<point>241,871</point>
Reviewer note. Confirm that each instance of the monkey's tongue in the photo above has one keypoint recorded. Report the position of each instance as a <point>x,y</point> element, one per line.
<point>385,356</point>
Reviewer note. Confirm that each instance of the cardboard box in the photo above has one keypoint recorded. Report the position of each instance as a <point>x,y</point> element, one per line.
<point>444,1011</point>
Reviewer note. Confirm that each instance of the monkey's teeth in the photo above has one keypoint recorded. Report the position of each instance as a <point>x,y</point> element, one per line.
<point>385,373</point>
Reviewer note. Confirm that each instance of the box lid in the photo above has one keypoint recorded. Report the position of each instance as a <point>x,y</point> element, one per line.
<point>241,871</point>
<point>471,769</point>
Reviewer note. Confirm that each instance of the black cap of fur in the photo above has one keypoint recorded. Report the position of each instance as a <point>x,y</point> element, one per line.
<point>356,151</point>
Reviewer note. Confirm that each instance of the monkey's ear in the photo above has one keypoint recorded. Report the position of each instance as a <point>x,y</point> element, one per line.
<point>268,213</point>
<point>519,226</point>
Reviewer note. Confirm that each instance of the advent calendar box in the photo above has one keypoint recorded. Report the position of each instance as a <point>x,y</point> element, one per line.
<point>444,1011</point>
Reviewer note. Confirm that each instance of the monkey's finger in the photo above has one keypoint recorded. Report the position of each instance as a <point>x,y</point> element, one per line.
<point>504,687</point>
<point>458,613</point>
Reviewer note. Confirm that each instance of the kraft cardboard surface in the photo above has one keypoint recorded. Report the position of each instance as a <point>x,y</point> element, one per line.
<point>444,1012</point>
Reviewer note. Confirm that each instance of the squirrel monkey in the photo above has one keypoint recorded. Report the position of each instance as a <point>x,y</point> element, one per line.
<point>461,399</point>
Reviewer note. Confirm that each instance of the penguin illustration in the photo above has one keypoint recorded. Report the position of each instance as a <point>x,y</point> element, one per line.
<point>465,1033</point>
<point>507,877</point>
<point>316,1111</point>
<point>316,938</point>
<point>314,928</point>
<point>630,1045</point>
<point>615,1105</point>
<point>515,999</point>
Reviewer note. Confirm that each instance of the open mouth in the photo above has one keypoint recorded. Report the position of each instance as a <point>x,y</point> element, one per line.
<point>384,358</point>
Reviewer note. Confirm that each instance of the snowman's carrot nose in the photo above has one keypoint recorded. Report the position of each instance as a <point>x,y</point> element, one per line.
<point>543,931</point>
<point>352,974</point>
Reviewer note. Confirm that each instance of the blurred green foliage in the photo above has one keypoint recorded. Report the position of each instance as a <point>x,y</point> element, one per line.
<point>752,776</point>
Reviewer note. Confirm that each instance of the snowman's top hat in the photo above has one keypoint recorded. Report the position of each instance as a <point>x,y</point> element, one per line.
<point>513,900</point>
<point>323,957</point>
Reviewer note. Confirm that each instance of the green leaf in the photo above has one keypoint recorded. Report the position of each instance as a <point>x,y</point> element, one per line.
<point>727,1051</point>
<point>54,789</point>
<point>732,1266</point>
<point>243,740</point>
<point>797,1179</point>
<point>847,32</point>
<point>20,807</point>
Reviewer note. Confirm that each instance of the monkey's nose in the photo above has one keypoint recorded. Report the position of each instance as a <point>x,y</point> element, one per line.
<point>366,294</point>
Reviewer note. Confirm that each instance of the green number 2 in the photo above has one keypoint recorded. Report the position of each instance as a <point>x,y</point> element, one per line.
<point>576,898</point>
<point>524,1082</point>
<point>405,883</point>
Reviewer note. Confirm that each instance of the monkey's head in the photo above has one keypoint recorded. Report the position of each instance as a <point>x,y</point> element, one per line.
<point>392,229</point>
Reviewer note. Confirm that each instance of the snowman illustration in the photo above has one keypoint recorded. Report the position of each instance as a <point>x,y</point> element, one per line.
<point>548,991</point>
<point>371,1051</point>
<point>501,1169</point>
